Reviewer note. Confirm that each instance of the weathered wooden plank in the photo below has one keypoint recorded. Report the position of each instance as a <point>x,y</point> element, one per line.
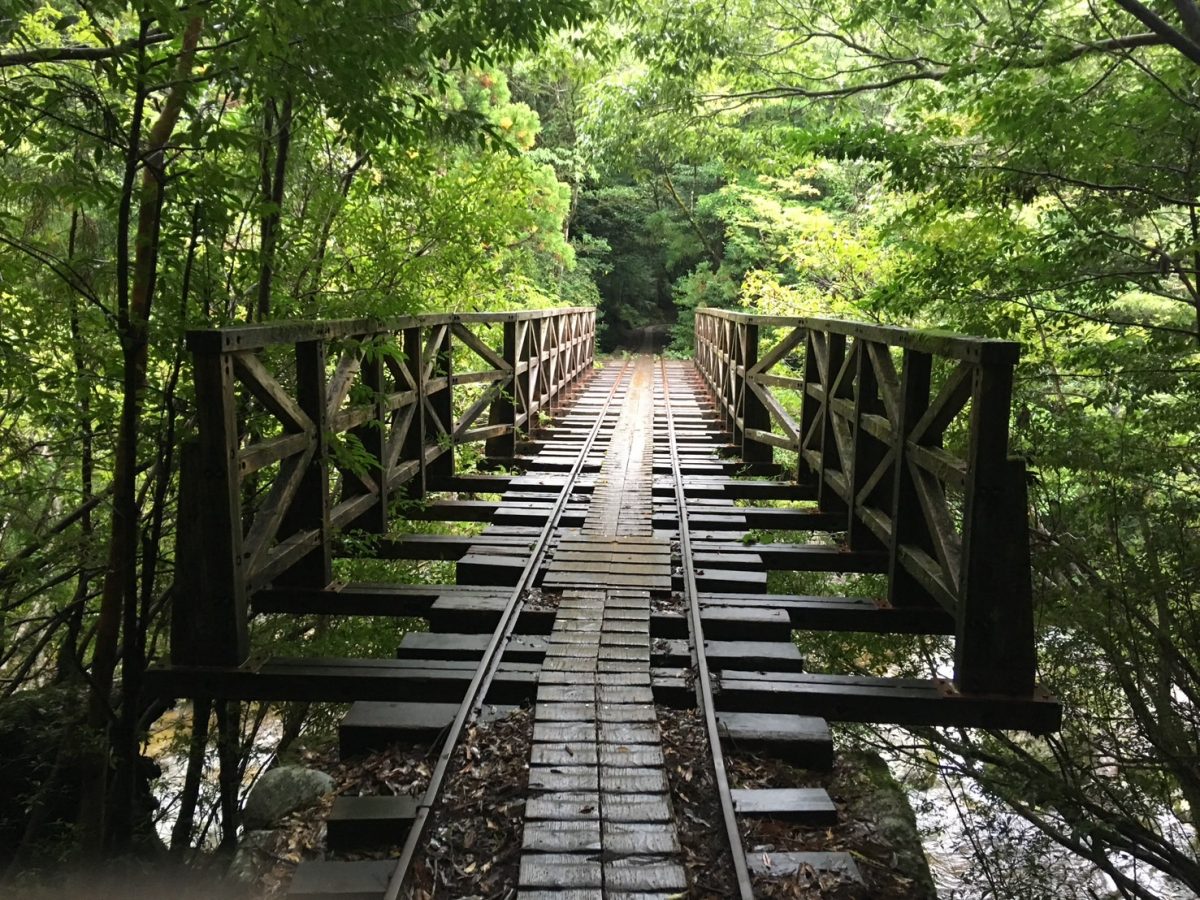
<point>796,557</point>
<point>807,806</point>
<point>561,837</point>
<point>354,823</point>
<point>801,740</point>
<point>898,701</point>
<point>342,680</point>
<point>639,839</point>
<point>811,613</point>
<point>791,863</point>
<point>644,877</point>
<point>340,880</point>
<point>559,871</point>
<point>430,645</point>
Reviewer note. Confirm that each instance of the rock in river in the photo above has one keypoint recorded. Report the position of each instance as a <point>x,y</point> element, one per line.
<point>281,791</point>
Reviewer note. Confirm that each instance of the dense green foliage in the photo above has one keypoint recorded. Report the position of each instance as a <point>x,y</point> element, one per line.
<point>1021,172</point>
<point>170,166</point>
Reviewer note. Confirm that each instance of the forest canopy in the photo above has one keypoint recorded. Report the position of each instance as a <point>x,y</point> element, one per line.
<point>1026,172</point>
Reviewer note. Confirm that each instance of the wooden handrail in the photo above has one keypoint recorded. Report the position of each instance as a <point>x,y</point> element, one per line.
<point>927,340</point>
<point>869,436</point>
<point>393,388</point>
<point>255,337</point>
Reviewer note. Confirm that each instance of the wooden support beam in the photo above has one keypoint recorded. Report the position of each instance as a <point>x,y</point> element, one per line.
<point>755,417</point>
<point>209,622</point>
<point>503,410</point>
<point>309,510</point>
<point>994,651</point>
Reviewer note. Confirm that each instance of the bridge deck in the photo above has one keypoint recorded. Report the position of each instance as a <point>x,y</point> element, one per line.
<point>616,515</point>
<point>602,628</point>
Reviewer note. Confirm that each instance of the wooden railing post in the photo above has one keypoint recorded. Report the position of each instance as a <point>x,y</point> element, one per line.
<point>310,508</point>
<point>908,523</point>
<point>373,437</point>
<point>524,377</point>
<point>537,384</point>
<point>503,410</point>
<point>828,499</point>
<point>755,416</point>
<point>590,357</point>
<point>810,412</point>
<point>868,449</point>
<point>556,361</point>
<point>994,651</point>
<point>209,609</point>
<point>441,402</point>
<point>413,447</point>
<point>728,383</point>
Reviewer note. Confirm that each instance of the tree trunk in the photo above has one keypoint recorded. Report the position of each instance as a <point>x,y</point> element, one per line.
<point>181,833</point>
<point>70,664</point>
<point>118,604</point>
<point>272,197</point>
<point>229,776</point>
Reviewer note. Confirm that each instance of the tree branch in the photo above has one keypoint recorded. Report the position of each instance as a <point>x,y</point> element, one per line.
<point>1110,45</point>
<point>1163,29</point>
<point>80,54</point>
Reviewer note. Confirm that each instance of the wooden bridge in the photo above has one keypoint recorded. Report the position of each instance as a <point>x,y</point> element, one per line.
<point>622,570</point>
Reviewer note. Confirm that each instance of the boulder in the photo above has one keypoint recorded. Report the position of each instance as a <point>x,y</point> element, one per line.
<point>281,791</point>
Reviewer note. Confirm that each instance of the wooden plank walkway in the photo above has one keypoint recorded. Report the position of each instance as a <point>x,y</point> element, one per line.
<point>598,820</point>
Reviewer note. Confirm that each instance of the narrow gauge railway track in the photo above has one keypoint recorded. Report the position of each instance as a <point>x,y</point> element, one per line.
<point>652,547</point>
<point>603,810</point>
<point>704,685</point>
<point>473,701</point>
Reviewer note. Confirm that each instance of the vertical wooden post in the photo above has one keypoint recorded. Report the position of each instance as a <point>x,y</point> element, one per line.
<point>538,384</point>
<point>754,411</point>
<point>737,384</point>
<point>373,437</point>
<point>589,343</point>
<point>726,360</point>
<point>229,720</point>
<point>413,448</point>
<point>503,410</point>
<point>556,361</point>
<point>868,449</point>
<point>729,386</point>
<point>310,508</point>
<point>994,652</point>
<point>442,403</point>
<point>828,499</point>
<point>524,376</point>
<point>810,411</point>
<point>209,624</point>
<point>908,523</point>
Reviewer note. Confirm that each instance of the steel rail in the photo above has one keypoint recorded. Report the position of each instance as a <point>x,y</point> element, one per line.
<point>704,694</point>
<point>476,695</point>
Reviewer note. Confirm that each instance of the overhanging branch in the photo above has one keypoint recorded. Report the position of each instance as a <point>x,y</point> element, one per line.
<point>1163,29</point>
<point>79,54</point>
